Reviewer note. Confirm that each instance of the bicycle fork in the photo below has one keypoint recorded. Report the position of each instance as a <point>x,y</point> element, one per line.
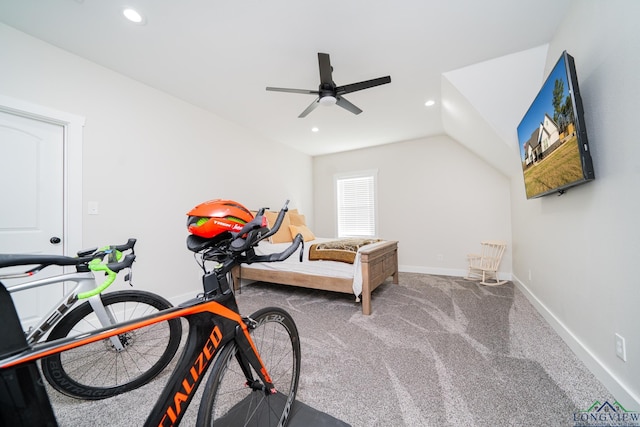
<point>106,319</point>
<point>247,356</point>
<point>84,282</point>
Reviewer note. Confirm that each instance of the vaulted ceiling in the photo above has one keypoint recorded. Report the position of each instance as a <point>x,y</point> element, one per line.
<point>222,55</point>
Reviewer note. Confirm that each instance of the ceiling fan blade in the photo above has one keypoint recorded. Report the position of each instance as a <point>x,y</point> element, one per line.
<point>340,101</point>
<point>341,90</point>
<point>310,108</point>
<point>328,92</point>
<point>302,91</point>
<point>325,69</point>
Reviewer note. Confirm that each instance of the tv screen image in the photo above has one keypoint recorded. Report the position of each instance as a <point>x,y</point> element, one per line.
<point>552,136</point>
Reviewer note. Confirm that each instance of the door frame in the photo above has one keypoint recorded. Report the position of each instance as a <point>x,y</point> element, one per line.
<point>72,164</point>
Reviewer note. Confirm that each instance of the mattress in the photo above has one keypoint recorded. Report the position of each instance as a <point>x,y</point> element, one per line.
<point>318,268</point>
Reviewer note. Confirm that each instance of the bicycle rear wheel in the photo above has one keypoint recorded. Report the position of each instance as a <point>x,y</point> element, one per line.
<point>97,370</point>
<point>227,400</point>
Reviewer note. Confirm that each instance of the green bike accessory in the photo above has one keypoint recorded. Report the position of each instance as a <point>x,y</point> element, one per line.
<point>96,265</point>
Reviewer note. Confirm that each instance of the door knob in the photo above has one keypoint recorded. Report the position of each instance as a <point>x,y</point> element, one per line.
<point>55,240</point>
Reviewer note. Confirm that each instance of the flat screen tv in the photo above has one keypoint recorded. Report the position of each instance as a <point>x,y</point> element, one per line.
<point>552,135</point>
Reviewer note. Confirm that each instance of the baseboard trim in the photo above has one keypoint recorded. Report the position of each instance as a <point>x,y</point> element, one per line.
<point>618,389</point>
<point>455,272</point>
<point>432,270</point>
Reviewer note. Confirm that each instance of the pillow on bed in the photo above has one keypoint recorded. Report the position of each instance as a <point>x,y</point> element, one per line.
<point>296,218</point>
<point>284,234</point>
<point>307,235</point>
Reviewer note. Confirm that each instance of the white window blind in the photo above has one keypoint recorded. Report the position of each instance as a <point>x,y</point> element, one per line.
<point>356,202</point>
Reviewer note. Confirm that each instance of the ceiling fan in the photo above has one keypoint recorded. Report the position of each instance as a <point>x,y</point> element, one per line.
<point>328,93</point>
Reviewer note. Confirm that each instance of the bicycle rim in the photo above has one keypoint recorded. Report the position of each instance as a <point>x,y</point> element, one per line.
<point>227,401</point>
<point>98,370</point>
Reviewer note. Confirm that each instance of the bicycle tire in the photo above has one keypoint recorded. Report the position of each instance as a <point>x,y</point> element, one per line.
<point>226,400</point>
<point>97,371</point>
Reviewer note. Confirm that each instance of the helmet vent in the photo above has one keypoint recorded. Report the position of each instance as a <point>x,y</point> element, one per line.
<point>236,219</point>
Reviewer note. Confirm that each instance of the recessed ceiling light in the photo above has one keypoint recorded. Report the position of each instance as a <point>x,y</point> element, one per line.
<point>314,129</point>
<point>133,16</point>
<point>430,103</point>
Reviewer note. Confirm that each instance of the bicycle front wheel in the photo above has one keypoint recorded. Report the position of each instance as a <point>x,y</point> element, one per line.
<point>99,370</point>
<point>227,401</point>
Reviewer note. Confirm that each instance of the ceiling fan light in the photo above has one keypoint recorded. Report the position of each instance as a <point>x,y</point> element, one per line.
<point>328,100</point>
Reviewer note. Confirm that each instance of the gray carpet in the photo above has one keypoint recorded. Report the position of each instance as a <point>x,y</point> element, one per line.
<point>437,351</point>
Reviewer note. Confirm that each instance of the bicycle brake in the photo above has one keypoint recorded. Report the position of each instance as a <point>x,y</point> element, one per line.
<point>251,324</point>
<point>256,385</point>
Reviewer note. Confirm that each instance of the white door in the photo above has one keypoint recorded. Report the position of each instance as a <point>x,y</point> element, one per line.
<point>32,203</point>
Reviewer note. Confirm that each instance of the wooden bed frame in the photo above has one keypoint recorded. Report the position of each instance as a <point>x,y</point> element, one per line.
<point>378,263</point>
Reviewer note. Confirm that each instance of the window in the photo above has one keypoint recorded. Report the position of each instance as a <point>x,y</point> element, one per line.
<point>356,204</point>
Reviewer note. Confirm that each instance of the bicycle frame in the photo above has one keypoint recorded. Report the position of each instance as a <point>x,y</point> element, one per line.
<point>86,287</point>
<point>85,283</point>
<point>213,322</point>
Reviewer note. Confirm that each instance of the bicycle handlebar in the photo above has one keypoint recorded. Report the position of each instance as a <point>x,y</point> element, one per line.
<point>129,245</point>
<point>250,234</point>
<point>11,260</point>
<point>44,260</point>
<point>238,247</point>
<point>111,269</point>
<point>279,219</point>
<point>91,259</point>
<point>281,256</point>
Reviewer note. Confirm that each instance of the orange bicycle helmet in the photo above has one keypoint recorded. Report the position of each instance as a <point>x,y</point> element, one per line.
<point>214,217</point>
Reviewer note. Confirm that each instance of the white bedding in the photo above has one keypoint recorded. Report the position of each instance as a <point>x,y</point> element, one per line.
<point>319,268</point>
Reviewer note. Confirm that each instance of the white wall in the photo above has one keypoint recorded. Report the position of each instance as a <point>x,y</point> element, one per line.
<point>483,103</point>
<point>434,196</point>
<point>582,248</point>
<point>148,158</point>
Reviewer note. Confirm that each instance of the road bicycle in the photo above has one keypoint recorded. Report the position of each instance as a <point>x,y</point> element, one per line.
<point>110,367</point>
<point>256,358</point>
